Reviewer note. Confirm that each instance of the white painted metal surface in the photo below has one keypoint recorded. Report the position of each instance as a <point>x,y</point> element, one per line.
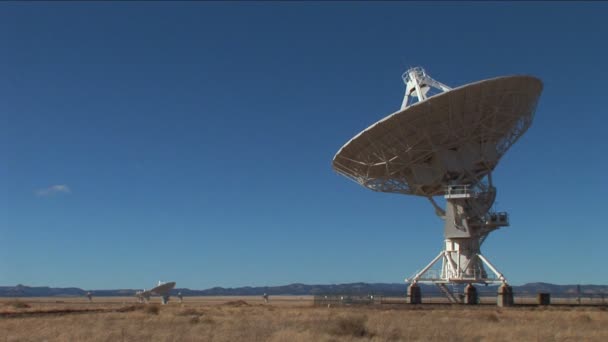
<point>162,289</point>
<point>457,137</point>
<point>447,144</point>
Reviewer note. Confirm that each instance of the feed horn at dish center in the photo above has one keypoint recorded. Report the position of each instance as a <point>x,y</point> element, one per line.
<point>446,142</point>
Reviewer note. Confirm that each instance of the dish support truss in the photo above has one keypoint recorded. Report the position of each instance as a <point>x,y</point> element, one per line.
<point>417,85</point>
<point>468,221</point>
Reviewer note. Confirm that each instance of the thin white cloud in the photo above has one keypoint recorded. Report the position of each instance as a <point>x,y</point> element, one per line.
<point>53,189</point>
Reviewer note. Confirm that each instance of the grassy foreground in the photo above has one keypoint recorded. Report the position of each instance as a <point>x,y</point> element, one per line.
<point>240,320</point>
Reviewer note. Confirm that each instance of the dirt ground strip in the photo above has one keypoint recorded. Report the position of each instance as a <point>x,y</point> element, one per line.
<point>289,318</point>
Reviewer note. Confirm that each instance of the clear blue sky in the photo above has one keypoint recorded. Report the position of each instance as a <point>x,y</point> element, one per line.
<point>193,141</point>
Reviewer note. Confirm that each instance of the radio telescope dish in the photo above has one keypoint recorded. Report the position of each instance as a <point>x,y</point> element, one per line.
<point>447,144</point>
<point>162,289</point>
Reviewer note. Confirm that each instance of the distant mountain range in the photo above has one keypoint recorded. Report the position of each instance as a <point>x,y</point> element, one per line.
<point>396,290</point>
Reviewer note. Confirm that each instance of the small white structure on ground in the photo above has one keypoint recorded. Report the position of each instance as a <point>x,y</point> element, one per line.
<point>162,289</point>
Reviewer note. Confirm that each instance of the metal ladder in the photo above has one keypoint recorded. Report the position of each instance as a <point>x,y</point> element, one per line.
<point>448,293</point>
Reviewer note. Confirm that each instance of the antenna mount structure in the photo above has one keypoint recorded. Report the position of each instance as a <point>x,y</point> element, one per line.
<point>446,142</point>
<point>418,84</point>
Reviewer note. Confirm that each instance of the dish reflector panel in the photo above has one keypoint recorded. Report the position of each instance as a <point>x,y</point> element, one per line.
<point>455,136</point>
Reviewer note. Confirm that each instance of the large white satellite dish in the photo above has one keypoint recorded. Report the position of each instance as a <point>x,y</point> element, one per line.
<point>447,145</point>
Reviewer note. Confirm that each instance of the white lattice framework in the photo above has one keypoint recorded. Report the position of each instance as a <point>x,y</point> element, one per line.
<point>447,144</point>
<point>424,146</point>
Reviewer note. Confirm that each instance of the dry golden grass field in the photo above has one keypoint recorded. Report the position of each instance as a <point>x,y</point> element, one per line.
<point>288,318</point>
